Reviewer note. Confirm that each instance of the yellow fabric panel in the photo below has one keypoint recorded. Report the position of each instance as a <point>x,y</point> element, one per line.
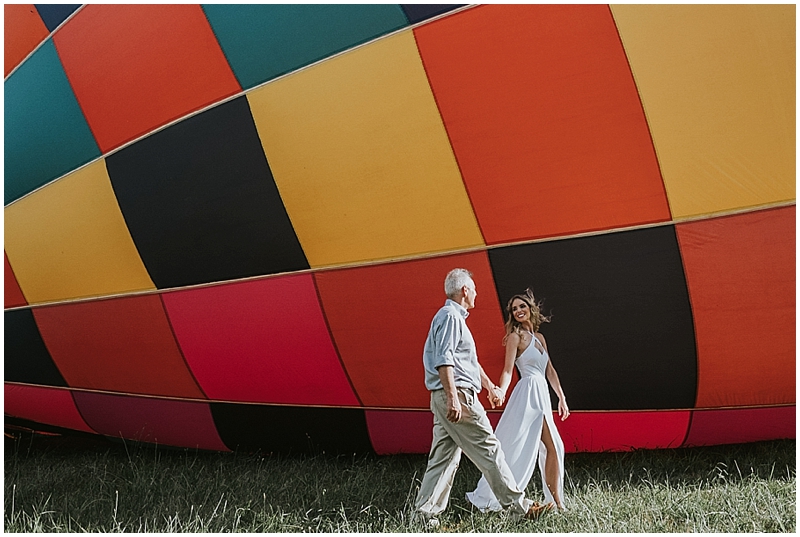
<point>718,87</point>
<point>361,157</point>
<point>69,240</point>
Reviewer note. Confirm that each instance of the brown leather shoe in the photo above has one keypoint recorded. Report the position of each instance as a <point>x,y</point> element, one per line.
<point>536,510</point>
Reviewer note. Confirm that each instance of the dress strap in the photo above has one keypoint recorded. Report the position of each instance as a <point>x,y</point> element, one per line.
<point>538,344</point>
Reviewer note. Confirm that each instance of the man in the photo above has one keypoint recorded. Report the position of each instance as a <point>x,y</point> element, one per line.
<point>454,378</point>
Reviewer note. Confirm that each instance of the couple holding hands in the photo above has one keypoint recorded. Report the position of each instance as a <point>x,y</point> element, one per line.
<point>526,432</point>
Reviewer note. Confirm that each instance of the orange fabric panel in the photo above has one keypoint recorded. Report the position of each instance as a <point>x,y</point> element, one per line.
<point>24,30</point>
<point>718,87</point>
<point>741,276</point>
<point>137,67</point>
<point>544,118</point>
<point>123,345</point>
<point>380,315</point>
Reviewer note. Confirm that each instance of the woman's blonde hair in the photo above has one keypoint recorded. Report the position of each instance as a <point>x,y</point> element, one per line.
<point>537,317</point>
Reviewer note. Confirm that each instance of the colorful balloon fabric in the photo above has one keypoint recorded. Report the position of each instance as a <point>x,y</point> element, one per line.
<point>227,226</point>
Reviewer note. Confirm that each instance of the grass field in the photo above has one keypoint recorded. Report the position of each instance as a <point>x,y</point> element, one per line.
<point>67,484</point>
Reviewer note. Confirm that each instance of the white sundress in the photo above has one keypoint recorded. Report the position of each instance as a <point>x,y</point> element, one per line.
<point>520,430</point>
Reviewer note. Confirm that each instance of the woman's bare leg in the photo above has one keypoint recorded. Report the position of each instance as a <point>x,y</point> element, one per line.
<point>551,470</point>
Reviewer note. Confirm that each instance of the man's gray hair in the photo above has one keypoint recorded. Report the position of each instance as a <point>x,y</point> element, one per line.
<point>455,280</point>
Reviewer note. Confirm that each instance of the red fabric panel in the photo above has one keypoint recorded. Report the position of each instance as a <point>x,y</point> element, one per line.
<point>260,341</point>
<point>136,67</point>
<point>124,345</point>
<point>741,276</point>
<point>622,431</point>
<point>392,432</point>
<point>13,293</point>
<point>544,118</point>
<point>50,406</point>
<point>380,316</point>
<point>24,30</point>
<point>159,421</point>
<point>740,425</point>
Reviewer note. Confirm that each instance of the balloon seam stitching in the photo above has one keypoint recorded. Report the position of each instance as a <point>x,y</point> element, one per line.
<point>178,345</point>
<point>644,112</point>
<point>417,257</point>
<point>80,412</point>
<point>49,36</point>
<point>449,139</point>
<point>420,409</point>
<point>333,341</point>
<point>688,428</point>
<point>694,324</point>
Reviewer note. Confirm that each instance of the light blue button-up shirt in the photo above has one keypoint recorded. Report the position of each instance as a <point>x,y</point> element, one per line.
<point>450,343</point>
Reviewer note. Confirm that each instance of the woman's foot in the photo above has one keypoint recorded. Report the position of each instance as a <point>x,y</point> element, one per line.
<point>537,509</point>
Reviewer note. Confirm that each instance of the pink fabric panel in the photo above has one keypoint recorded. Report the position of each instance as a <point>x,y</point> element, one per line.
<point>622,431</point>
<point>412,432</point>
<point>260,341</point>
<point>404,431</point>
<point>740,425</point>
<point>159,421</point>
<point>393,432</point>
<point>50,406</point>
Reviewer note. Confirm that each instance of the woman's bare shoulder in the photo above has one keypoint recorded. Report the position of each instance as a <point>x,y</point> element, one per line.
<point>513,338</point>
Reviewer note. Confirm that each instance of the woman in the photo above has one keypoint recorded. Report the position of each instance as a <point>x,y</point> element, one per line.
<point>526,428</point>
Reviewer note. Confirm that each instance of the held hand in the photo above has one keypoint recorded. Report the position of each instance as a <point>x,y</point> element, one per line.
<point>453,409</point>
<point>501,396</point>
<point>493,398</point>
<point>496,396</point>
<point>563,409</point>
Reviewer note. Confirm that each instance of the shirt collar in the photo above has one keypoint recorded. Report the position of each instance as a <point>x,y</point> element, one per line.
<point>459,308</point>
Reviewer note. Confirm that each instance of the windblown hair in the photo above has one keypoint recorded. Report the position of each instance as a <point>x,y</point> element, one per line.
<point>455,280</point>
<point>537,317</point>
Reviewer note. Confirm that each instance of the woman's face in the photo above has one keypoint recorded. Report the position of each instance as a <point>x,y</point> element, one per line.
<point>520,310</point>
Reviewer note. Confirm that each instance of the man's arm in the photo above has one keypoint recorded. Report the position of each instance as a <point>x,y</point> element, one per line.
<point>449,385</point>
<point>495,398</point>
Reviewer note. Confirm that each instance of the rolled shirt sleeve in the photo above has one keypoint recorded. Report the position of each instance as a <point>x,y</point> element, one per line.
<point>445,340</point>
<point>450,343</point>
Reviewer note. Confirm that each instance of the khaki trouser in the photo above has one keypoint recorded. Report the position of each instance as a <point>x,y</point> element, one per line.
<point>474,435</point>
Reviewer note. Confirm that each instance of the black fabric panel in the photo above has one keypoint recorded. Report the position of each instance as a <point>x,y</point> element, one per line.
<point>54,14</point>
<point>279,429</point>
<point>26,357</point>
<point>622,333</point>
<point>200,201</point>
<point>419,12</point>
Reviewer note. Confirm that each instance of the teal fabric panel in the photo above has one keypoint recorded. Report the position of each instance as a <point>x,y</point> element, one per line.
<point>262,42</point>
<point>46,134</point>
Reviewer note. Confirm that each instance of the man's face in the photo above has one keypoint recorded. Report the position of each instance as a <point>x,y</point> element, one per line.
<point>469,294</point>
